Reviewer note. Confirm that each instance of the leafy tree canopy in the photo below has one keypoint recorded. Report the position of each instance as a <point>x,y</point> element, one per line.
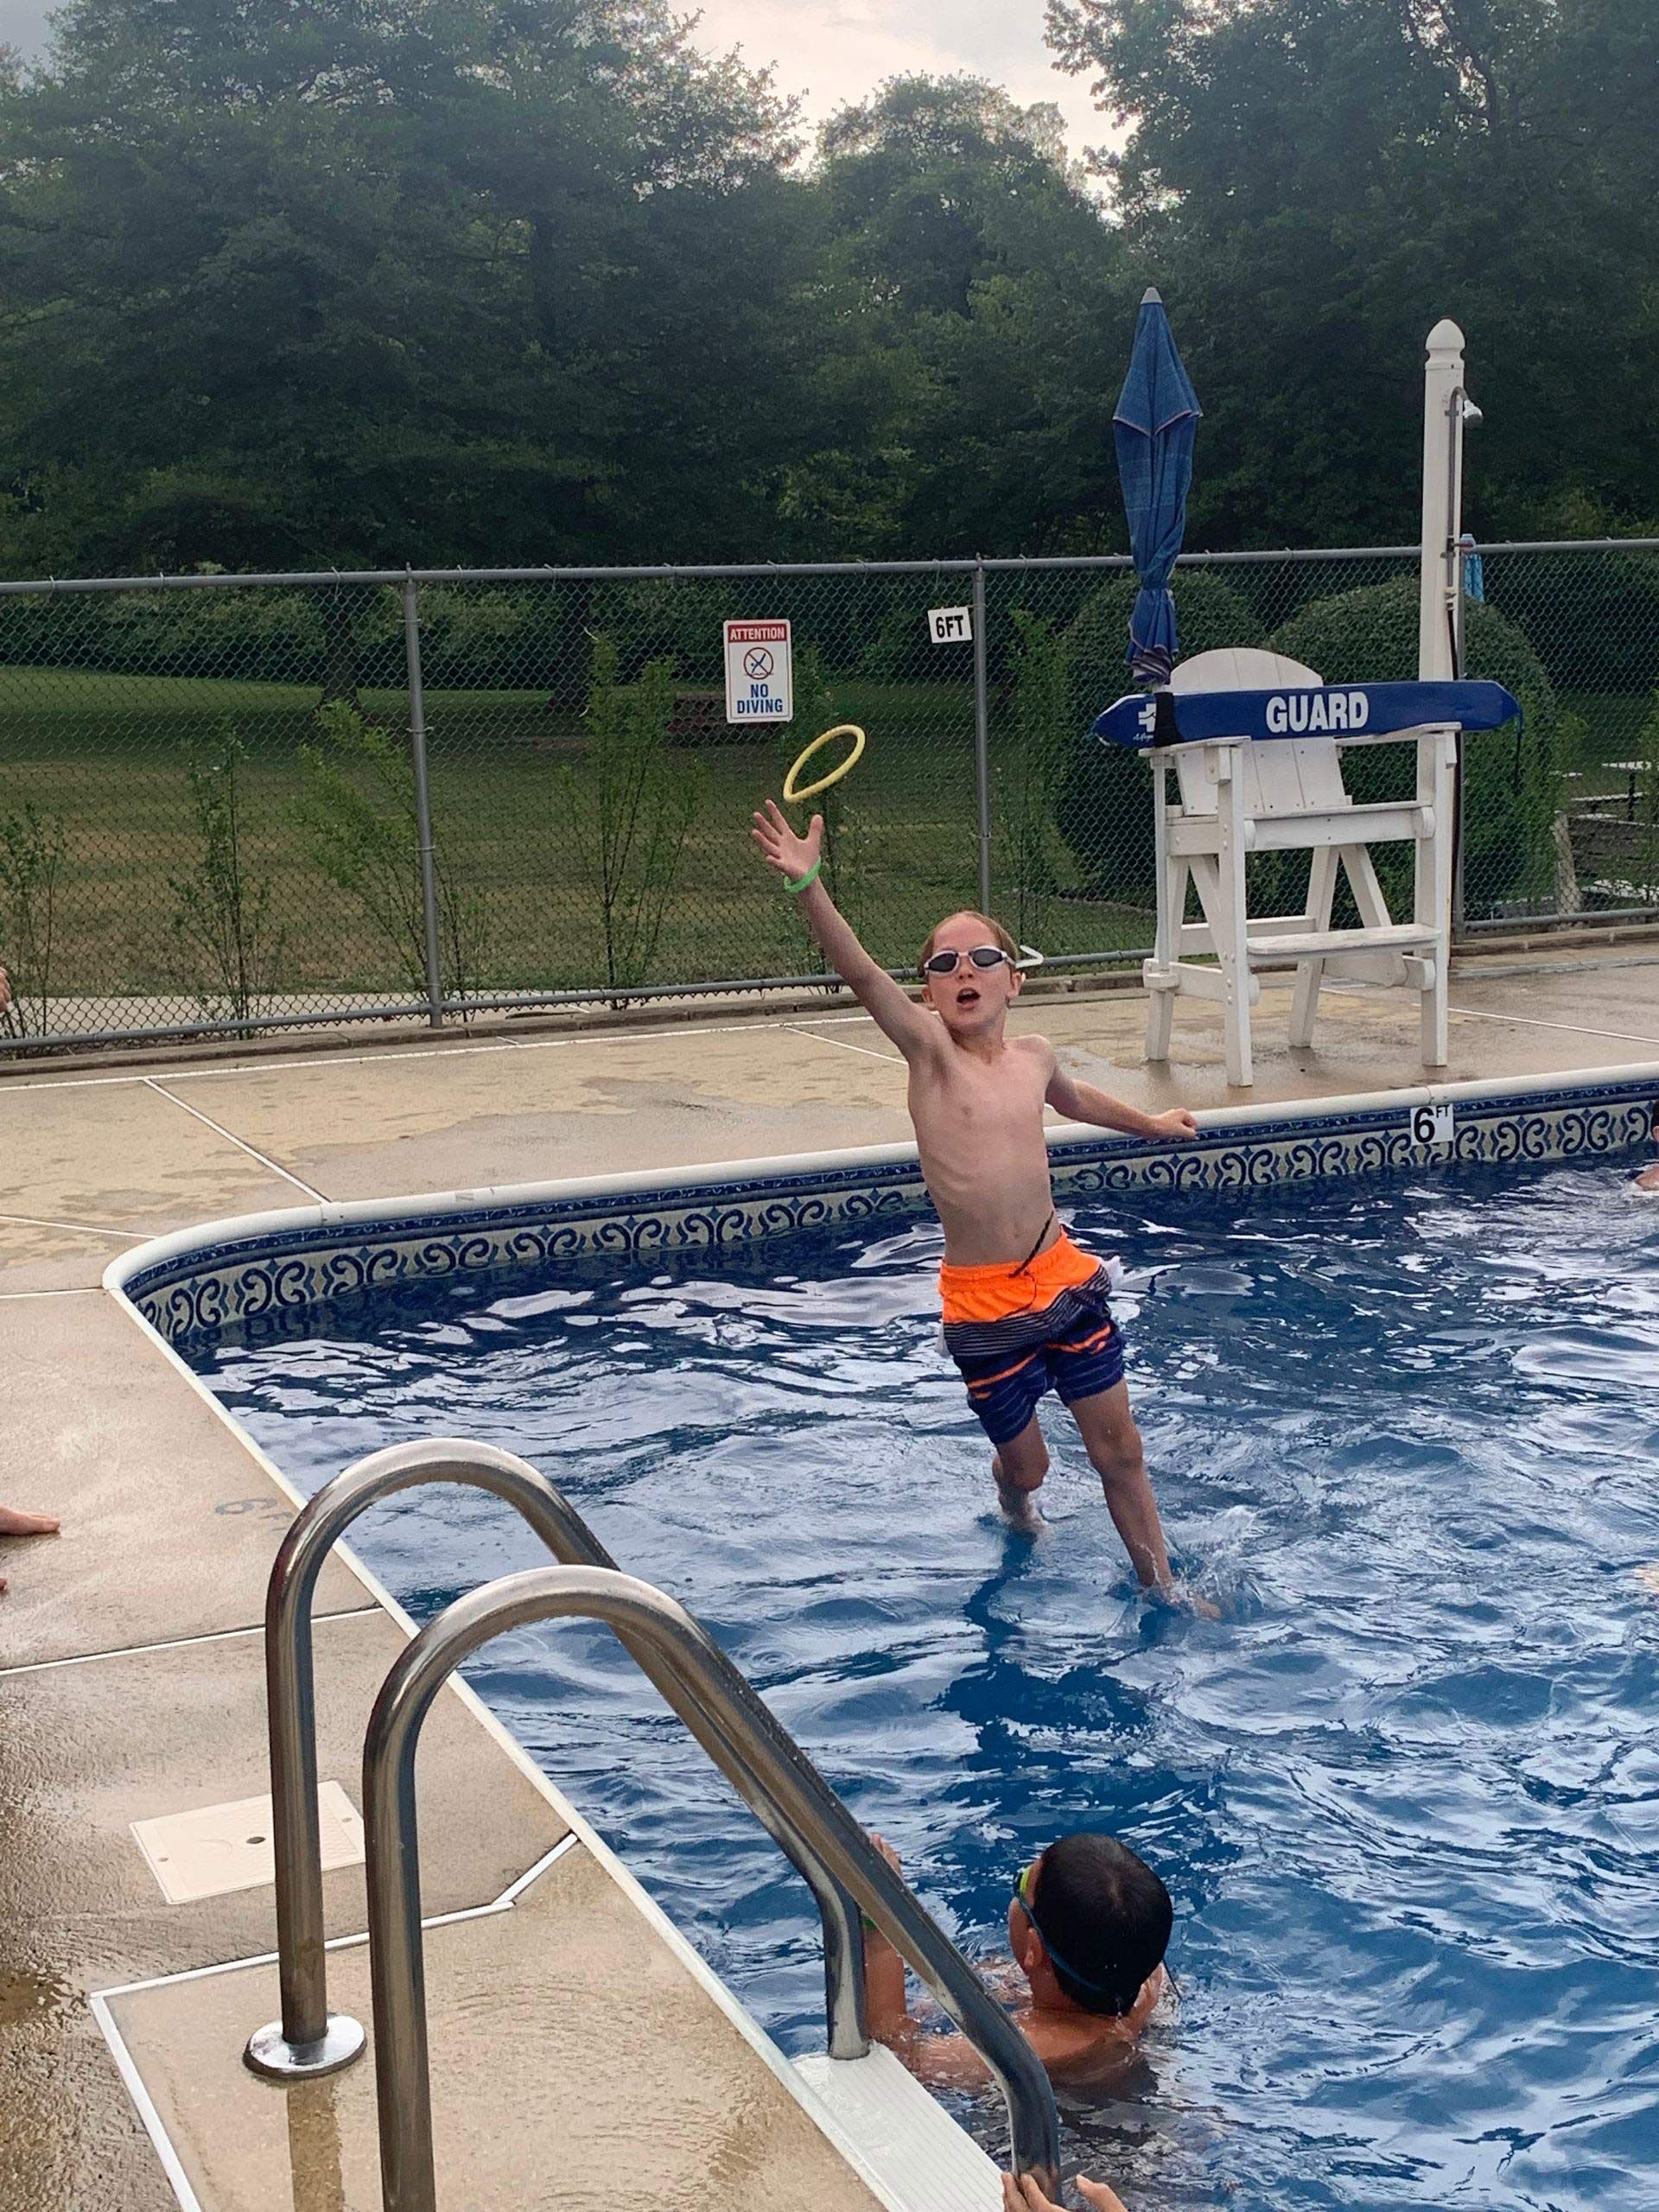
<point>1318,181</point>
<point>969,279</point>
<point>292,284</point>
<point>307,282</point>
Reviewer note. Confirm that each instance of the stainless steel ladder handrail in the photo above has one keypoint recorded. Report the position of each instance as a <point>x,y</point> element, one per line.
<point>773,1774</point>
<point>308,2041</point>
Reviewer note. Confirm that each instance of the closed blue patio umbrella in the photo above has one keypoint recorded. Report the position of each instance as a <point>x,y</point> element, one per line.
<point>1154,426</point>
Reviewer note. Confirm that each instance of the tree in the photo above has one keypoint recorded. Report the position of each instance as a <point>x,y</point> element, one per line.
<point>1315,183</point>
<point>631,806</point>
<point>969,288</point>
<point>304,285</point>
<point>229,942</point>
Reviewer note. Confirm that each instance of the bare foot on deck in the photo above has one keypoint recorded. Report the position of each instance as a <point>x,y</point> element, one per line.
<point>13,1523</point>
<point>1024,2195</point>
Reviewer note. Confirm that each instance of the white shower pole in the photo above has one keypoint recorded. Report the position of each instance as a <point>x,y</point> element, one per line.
<point>1446,408</point>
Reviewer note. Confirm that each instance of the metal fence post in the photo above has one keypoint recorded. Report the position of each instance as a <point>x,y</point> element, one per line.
<point>422,799</point>
<point>981,739</point>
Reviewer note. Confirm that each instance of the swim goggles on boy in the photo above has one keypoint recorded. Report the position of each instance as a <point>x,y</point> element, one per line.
<point>945,963</point>
<point>1022,1898</point>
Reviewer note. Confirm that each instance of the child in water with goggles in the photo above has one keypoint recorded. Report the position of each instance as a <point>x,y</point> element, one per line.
<point>1089,1923</point>
<point>1025,1311</point>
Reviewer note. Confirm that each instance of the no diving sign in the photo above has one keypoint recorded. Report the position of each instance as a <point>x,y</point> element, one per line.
<point>759,672</point>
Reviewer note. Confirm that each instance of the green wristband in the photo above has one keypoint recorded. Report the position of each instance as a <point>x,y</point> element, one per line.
<point>811,876</point>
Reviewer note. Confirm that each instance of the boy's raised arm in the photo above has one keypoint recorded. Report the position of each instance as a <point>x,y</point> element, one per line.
<point>893,1012</point>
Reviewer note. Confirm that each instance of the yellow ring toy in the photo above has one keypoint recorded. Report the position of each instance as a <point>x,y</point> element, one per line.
<point>841,729</point>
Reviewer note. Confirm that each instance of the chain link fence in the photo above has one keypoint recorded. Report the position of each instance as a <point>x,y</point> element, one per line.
<point>230,804</point>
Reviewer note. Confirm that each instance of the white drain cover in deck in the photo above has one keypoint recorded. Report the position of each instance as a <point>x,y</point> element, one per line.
<point>223,1847</point>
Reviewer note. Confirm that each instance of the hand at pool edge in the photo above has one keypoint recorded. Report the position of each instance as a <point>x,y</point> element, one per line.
<point>1021,2194</point>
<point>1175,1122</point>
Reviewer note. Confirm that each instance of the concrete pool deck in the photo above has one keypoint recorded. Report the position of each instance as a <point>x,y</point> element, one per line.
<point>130,1659</point>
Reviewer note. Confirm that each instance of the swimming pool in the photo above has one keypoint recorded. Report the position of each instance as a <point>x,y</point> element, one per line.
<point>1406,1793</point>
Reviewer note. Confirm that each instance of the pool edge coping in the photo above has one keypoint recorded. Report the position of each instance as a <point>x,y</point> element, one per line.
<point>428,1212</point>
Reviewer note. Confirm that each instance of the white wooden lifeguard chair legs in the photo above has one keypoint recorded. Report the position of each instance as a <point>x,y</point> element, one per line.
<point>1437,768</point>
<point>1229,924</point>
<point>1234,803</point>
<point>1174,876</point>
<point>1310,974</point>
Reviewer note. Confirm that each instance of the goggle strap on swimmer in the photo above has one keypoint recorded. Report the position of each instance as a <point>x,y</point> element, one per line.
<point>1112,1989</point>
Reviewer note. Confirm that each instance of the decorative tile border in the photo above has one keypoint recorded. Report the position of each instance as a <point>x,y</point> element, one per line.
<point>202,1282</point>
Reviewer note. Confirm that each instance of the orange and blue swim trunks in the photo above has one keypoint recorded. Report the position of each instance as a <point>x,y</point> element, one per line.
<point>1017,1331</point>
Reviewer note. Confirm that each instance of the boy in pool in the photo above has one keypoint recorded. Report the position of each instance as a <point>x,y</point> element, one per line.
<point>1025,1311</point>
<point>1088,1924</point>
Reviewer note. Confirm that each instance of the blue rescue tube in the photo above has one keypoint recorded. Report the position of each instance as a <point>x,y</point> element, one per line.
<point>1315,710</point>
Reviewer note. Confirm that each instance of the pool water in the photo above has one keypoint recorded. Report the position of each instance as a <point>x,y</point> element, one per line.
<point>1405,1791</point>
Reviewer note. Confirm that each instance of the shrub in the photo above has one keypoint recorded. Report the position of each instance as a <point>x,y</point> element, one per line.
<point>1646,869</point>
<point>630,807</point>
<point>846,851</point>
<point>1104,804</point>
<point>338,638</point>
<point>230,943</point>
<point>900,650</point>
<point>667,619</point>
<point>358,806</point>
<point>1033,772</point>
<point>1592,617</point>
<point>1370,635</point>
<point>493,636</point>
<point>32,851</point>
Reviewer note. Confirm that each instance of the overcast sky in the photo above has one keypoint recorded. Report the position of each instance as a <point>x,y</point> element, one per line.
<point>830,51</point>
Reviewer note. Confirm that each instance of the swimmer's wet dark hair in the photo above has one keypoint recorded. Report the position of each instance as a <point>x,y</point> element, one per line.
<point>1102,1908</point>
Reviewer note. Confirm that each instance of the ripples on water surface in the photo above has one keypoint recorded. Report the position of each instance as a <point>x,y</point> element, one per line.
<point>1406,1792</point>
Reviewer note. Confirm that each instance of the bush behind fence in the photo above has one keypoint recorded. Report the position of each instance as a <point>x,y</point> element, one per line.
<point>212,813</point>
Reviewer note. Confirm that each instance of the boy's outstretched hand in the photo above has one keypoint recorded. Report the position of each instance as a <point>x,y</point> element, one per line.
<point>1024,2195</point>
<point>791,855</point>
<point>1177,1123</point>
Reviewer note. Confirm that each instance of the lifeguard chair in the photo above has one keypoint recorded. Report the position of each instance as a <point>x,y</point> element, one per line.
<point>1276,786</point>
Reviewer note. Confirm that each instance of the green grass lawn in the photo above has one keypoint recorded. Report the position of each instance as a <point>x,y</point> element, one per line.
<point>106,755</point>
